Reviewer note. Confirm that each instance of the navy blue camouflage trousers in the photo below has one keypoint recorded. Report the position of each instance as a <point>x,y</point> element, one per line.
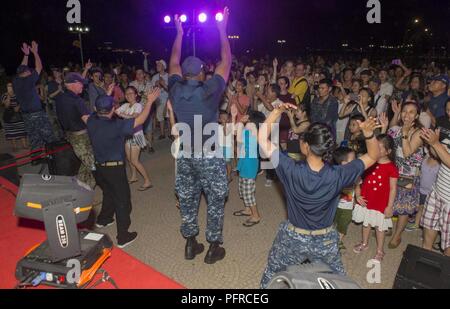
<point>290,248</point>
<point>195,176</point>
<point>39,129</point>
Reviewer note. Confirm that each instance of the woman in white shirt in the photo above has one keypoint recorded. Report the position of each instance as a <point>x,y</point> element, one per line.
<point>135,143</point>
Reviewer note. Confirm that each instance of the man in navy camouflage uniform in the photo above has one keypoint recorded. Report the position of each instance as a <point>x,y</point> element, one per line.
<point>37,124</point>
<point>200,170</point>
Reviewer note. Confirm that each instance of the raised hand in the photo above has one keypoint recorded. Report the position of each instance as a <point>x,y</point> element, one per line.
<point>178,25</point>
<point>153,94</point>
<point>34,47</point>
<point>275,63</point>
<point>396,106</point>
<point>431,137</point>
<point>369,126</point>
<point>88,65</point>
<point>222,25</point>
<point>384,121</point>
<point>25,49</point>
<point>110,89</point>
<point>286,107</point>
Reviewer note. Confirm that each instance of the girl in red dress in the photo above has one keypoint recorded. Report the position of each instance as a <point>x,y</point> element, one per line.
<point>375,197</point>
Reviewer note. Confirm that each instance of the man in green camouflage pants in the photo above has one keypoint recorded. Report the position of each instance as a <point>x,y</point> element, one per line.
<point>82,147</point>
<point>70,108</point>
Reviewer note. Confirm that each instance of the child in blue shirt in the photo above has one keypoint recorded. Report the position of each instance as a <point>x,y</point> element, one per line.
<point>248,165</point>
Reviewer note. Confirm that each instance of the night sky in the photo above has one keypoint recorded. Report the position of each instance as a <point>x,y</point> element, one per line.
<point>138,24</point>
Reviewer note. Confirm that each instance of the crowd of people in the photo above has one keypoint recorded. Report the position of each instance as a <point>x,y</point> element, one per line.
<point>365,141</point>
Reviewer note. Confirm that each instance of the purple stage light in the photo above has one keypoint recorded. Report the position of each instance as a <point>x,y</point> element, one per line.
<point>183,18</point>
<point>167,19</point>
<point>202,17</point>
<point>219,16</point>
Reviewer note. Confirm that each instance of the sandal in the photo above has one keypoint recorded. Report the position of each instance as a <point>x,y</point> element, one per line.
<point>240,213</point>
<point>132,181</point>
<point>250,223</point>
<point>142,189</point>
<point>379,256</point>
<point>360,248</point>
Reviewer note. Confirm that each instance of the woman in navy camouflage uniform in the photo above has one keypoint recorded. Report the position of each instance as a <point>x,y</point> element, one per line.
<point>312,191</point>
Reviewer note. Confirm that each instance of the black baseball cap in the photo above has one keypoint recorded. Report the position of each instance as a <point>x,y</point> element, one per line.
<point>442,78</point>
<point>74,77</point>
<point>104,104</point>
<point>22,69</point>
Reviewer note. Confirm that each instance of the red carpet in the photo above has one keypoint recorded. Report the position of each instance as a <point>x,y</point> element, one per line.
<point>18,235</point>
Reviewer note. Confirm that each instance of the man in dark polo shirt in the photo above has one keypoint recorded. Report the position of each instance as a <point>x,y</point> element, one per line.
<point>108,134</point>
<point>70,107</point>
<point>197,170</point>
<point>37,125</point>
<point>325,107</point>
<point>438,88</point>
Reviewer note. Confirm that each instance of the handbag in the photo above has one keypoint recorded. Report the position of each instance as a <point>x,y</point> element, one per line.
<point>406,182</point>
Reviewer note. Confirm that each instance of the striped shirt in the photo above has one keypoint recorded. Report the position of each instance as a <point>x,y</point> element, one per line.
<point>443,182</point>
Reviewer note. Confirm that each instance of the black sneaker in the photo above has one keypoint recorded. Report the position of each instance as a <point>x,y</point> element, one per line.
<point>161,137</point>
<point>127,240</point>
<point>215,253</point>
<point>151,150</point>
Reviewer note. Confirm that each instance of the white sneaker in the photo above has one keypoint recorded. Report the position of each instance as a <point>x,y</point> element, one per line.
<point>100,226</point>
<point>269,183</point>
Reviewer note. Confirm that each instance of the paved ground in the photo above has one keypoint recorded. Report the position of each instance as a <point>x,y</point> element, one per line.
<point>160,244</point>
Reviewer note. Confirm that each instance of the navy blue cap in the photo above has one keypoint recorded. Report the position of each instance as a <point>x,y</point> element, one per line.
<point>376,80</point>
<point>104,104</point>
<point>192,66</point>
<point>73,77</point>
<point>442,78</point>
<point>22,69</point>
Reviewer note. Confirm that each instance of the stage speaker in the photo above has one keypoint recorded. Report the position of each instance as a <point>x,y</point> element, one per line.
<point>11,173</point>
<point>64,162</point>
<point>423,269</point>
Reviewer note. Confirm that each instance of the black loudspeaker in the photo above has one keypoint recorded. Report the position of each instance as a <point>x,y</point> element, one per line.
<point>10,173</point>
<point>423,269</point>
<point>62,162</point>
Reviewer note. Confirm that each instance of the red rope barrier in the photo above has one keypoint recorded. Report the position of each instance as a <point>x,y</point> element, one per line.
<point>43,155</point>
<point>29,153</point>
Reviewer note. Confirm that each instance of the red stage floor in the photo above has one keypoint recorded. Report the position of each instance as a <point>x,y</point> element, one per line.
<point>17,236</point>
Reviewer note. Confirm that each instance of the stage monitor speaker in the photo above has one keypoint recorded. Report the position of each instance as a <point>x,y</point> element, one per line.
<point>62,163</point>
<point>11,173</point>
<point>423,269</point>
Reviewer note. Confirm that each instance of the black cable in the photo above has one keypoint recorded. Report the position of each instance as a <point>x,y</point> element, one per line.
<point>26,282</point>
